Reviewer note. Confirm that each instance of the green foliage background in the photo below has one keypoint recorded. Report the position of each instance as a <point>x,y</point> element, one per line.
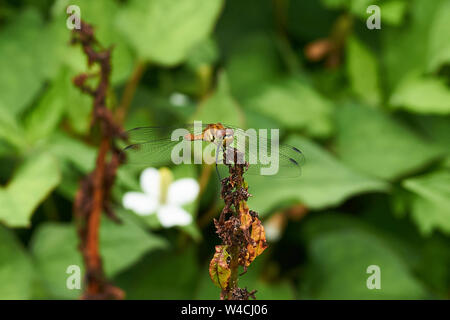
<point>375,132</point>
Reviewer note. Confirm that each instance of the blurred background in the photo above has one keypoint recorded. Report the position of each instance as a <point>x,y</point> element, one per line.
<point>368,108</point>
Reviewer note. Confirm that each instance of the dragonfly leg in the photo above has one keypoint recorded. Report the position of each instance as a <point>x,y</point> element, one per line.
<point>217,159</point>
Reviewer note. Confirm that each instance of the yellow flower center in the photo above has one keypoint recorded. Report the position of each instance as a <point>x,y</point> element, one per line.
<point>165,181</point>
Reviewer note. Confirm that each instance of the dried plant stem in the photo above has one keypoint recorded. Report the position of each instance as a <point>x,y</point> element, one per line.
<point>238,172</point>
<point>93,196</point>
<point>233,282</point>
<point>240,230</point>
<point>92,252</point>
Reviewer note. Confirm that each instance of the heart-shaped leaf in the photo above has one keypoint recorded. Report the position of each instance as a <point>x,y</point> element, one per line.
<point>32,183</point>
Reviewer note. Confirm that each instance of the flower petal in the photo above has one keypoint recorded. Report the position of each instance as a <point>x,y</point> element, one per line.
<point>183,191</point>
<point>140,203</point>
<point>171,215</point>
<point>150,182</point>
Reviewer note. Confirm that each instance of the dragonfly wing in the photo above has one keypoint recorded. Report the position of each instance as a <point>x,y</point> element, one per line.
<point>153,146</point>
<point>284,167</point>
<point>147,134</point>
<point>288,159</point>
<point>154,153</point>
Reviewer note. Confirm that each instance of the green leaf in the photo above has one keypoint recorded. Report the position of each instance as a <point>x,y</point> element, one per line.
<point>10,129</point>
<point>399,56</point>
<point>220,107</point>
<point>256,278</point>
<point>393,12</point>
<point>30,186</point>
<point>439,41</point>
<point>279,290</point>
<point>73,151</point>
<point>433,267</point>
<point>16,271</point>
<point>435,128</point>
<point>324,182</point>
<point>164,31</point>
<point>205,53</point>
<point>124,245</point>
<point>252,63</point>
<point>294,105</point>
<point>219,269</point>
<point>422,95</point>
<point>206,290</point>
<point>162,275</point>
<point>78,110</point>
<point>54,246</point>
<point>45,117</point>
<point>430,206</point>
<point>327,222</point>
<point>362,69</point>
<point>340,259</point>
<point>21,74</point>
<point>370,141</point>
<point>54,249</point>
<point>75,158</point>
<point>61,99</point>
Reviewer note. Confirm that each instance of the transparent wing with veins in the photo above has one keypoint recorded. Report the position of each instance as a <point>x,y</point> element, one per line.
<point>152,146</point>
<point>290,158</point>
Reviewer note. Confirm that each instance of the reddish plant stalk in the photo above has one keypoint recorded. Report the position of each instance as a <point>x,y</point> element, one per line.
<point>93,196</point>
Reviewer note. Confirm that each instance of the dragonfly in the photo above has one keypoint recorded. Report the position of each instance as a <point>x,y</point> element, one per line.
<point>153,146</point>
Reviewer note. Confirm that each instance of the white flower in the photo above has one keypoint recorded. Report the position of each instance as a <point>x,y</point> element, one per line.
<point>163,197</point>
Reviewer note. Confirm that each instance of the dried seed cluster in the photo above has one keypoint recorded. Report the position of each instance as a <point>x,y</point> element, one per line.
<point>241,232</point>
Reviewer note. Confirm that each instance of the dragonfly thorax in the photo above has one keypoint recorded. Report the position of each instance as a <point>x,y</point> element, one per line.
<point>219,136</point>
<point>217,133</point>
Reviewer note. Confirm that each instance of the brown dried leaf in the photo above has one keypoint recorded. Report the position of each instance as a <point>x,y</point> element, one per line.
<point>246,218</point>
<point>259,237</point>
